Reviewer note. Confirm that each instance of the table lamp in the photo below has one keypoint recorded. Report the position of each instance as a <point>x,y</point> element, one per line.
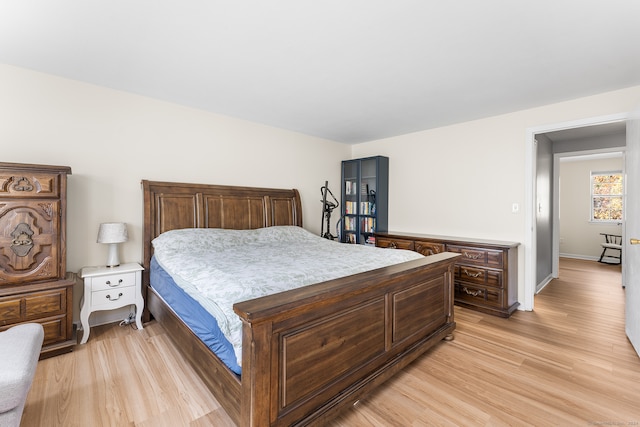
<point>112,233</point>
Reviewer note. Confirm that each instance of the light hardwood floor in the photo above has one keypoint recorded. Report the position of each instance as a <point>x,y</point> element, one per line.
<point>568,363</point>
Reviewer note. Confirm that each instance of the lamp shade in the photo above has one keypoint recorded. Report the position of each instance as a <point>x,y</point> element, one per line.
<point>112,232</point>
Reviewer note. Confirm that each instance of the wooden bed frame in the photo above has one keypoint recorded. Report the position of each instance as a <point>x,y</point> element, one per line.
<point>308,352</point>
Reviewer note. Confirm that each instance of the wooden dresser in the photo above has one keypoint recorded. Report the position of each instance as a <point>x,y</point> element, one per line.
<point>34,285</point>
<point>486,275</point>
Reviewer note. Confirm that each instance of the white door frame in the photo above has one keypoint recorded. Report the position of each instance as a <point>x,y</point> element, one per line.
<point>530,196</point>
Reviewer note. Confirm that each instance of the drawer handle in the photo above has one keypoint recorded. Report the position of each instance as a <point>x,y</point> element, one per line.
<point>113,285</point>
<point>22,183</point>
<point>22,241</point>
<point>392,245</point>
<point>471,256</point>
<point>472,293</point>
<point>114,299</point>
<point>426,251</point>
<point>464,270</point>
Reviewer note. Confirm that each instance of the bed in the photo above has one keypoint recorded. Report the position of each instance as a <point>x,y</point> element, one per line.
<point>309,352</point>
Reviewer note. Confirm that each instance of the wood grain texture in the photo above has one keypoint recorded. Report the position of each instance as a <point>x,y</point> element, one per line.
<point>275,388</point>
<point>34,284</point>
<point>486,274</point>
<point>567,363</point>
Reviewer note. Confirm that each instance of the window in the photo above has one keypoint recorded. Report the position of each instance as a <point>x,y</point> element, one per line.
<point>606,196</point>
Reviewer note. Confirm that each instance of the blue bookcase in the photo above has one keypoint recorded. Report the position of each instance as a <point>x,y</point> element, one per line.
<point>365,199</point>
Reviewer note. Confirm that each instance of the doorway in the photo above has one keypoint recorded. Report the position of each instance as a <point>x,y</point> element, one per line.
<point>541,202</point>
<point>579,234</point>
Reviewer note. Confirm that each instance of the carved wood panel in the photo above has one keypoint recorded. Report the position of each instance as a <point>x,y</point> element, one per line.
<point>28,185</point>
<point>29,242</point>
<point>34,284</point>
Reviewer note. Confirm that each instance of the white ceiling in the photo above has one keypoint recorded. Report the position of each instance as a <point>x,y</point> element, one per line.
<point>345,70</point>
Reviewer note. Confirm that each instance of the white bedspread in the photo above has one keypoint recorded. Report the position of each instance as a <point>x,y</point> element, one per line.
<point>221,267</point>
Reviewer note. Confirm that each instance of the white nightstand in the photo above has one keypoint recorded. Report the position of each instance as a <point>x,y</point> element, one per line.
<point>108,288</point>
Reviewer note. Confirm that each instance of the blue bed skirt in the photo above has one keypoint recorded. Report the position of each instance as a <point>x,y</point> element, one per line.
<point>199,320</point>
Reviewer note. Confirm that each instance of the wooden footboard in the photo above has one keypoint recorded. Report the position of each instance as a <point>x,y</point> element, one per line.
<point>311,351</point>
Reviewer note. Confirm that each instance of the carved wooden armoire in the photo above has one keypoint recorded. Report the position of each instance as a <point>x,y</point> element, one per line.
<point>34,285</point>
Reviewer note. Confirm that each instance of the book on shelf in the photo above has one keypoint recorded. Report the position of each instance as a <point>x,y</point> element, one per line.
<point>367,208</point>
<point>350,188</point>
<point>350,223</point>
<point>368,225</point>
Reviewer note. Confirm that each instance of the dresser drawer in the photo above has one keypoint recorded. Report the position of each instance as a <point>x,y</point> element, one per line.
<point>485,276</point>
<point>385,242</point>
<point>113,281</point>
<point>28,184</point>
<point>113,298</point>
<point>55,330</point>
<point>45,303</point>
<point>478,256</point>
<point>479,295</point>
<point>32,306</point>
<point>479,275</point>
<point>428,248</point>
<point>9,310</point>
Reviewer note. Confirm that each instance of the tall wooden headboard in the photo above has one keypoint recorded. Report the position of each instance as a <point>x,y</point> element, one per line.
<point>171,205</point>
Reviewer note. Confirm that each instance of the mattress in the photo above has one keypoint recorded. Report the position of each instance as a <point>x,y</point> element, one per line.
<point>217,268</point>
<point>194,315</point>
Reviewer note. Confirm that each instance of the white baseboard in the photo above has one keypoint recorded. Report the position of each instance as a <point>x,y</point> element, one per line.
<point>540,286</point>
<point>584,257</point>
<point>591,258</point>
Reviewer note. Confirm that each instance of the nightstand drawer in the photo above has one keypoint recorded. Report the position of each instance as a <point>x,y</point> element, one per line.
<point>113,281</point>
<point>113,298</point>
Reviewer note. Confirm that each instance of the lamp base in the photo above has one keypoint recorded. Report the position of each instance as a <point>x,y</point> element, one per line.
<point>112,258</point>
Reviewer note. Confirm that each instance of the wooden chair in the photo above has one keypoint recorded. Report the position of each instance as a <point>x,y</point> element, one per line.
<point>612,242</point>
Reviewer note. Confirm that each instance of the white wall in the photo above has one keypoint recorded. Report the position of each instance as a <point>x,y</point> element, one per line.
<point>462,180</point>
<point>544,210</point>
<point>458,180</point>
<point>580,238</point>
<point>112,140</point>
